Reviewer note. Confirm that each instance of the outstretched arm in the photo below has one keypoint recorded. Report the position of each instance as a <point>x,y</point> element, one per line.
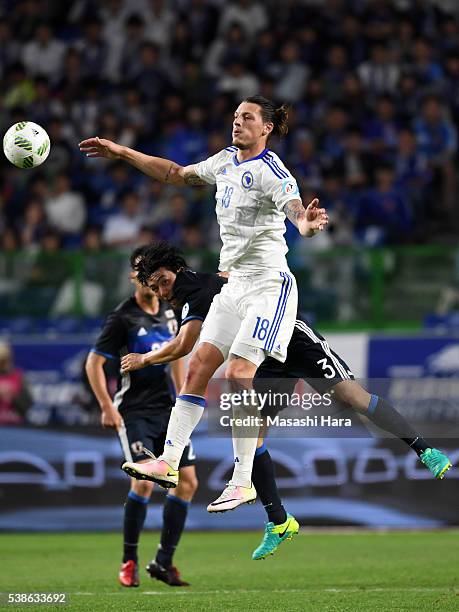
<point>308,220</point>
<point>162,170</point>
<point>180,346</point>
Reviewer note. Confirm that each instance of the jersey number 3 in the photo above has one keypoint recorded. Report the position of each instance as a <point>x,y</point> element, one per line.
<point>329,371</point>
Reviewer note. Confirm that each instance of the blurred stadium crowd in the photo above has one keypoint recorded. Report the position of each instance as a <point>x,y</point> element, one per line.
<point>373,87</point>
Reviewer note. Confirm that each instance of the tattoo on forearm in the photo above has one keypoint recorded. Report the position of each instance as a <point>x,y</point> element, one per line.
<point>294,211</point>
<point>193,179</point>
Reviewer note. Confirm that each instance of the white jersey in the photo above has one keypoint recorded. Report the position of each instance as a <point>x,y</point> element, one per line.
<point>250,199</point>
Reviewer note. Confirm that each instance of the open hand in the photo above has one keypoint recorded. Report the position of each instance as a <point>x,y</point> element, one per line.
<point>317,217</point>
<point>100,147</point>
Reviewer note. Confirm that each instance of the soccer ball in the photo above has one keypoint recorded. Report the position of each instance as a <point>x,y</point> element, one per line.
<point>26,144</point>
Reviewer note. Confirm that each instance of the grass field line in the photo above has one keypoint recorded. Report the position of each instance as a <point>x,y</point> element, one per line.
<point>187,592</point>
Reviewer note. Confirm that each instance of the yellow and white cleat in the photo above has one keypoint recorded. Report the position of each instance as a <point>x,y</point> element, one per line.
<point>232,497</point>
<point>157,471</point>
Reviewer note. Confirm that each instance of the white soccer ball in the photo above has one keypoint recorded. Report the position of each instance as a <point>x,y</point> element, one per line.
<point>26,144</point>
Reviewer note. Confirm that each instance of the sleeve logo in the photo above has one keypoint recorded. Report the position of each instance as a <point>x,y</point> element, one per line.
<point>185,311</point>
<point>289,187</point>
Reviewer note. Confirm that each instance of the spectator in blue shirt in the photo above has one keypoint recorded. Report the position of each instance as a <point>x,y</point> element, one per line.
<point>437,139</point>
<point>414,176</point>
<point>427,70</point>
<point>381,131</point>
<point>384,216</point>
<point>411,166</point>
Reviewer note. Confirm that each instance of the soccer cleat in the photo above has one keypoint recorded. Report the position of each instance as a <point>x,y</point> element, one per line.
<point>232,497</point>
<point>157,471</point>
<point>437,462</point>
<point>274,536</point>
<point>129,574</point>
<point>170,576</point>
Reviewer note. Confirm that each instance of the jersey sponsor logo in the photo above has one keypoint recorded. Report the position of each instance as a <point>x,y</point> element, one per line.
<point>169,313</point>
<point>185,310</point>
<point>142,332</point>
<point>169,443</point>
<point>222,170</point>
<point>289,187</point>
<point>247,180</point>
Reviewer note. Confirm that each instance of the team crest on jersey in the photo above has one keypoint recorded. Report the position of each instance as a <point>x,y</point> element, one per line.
<point>247,180</point>
<point>185,311</point>
<point>289,187</point>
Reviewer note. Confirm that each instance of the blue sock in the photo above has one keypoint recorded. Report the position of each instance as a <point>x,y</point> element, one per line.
<point>264,481</point>
<point>135,511</point>
<point>174,516</point>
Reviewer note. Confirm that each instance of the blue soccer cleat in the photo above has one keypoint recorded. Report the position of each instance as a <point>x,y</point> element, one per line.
<point>437,462</point>
<point>274,536</point>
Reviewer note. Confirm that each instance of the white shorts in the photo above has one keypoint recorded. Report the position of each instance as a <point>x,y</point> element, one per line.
<point>253,316</point>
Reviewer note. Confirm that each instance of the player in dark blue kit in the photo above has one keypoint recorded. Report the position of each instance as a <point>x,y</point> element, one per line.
<point>164,270</point>
<point>140,413</point>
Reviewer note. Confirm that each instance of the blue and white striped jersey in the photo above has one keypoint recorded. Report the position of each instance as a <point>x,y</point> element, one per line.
<point>250,199</point>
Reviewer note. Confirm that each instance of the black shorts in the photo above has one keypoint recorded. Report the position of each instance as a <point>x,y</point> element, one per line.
<point>309,358</point>
<point>149,431</point>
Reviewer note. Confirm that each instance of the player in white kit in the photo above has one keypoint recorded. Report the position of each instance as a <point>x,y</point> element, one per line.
<point>254,315</point>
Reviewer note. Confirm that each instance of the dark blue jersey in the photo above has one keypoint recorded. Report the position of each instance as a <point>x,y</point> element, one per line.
<point>129,329</point>
<point>195,292</point>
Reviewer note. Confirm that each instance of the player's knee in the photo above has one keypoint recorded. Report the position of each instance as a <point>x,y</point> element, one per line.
<point>344,397</point>
<point>187,487</point>
<point>144,488</point>
<point>352,395</point>
<point>192,486</point>
<point>238,369</point>
<point>199,370</point>
<point>194,369</point>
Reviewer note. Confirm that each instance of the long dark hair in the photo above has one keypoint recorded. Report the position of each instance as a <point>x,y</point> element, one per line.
<point>158,255</point>
<point>136,255</point>
<point>271,113</point>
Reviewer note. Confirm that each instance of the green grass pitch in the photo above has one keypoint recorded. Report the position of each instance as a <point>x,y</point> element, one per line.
<point>316,571</point>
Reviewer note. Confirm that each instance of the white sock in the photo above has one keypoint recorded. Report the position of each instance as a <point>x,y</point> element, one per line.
<point>244,446</point>
<point>185,415</point>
